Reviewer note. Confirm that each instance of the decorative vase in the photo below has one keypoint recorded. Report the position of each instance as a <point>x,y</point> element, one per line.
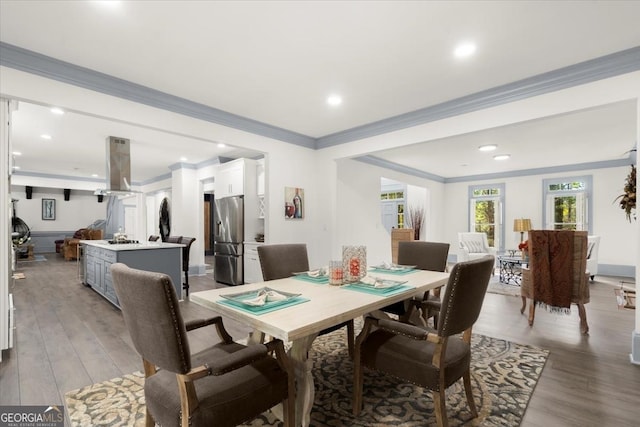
<point>354,263</point>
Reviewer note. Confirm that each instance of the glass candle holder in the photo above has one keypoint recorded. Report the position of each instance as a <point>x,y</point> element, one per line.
<point>336,273</point>
<point>354,262</point>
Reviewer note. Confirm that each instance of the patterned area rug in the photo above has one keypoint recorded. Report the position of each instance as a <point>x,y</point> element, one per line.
<point>504,375</point>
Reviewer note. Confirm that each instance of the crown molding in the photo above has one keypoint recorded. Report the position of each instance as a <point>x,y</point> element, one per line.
<point>612,65</point>
<point>35,63</point>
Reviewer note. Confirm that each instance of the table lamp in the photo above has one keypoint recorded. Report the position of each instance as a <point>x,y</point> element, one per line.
<point>522,225</point>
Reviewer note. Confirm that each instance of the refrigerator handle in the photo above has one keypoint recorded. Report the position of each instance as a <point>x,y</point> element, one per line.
<point>218,227</point>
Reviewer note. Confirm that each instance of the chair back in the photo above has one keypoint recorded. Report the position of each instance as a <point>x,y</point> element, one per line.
<point>154,238</point>
<point>464,295</point>
<point>558,264</point>
<point>173,239</point>
<point>424,255</point>
<point>474,242</point>
<point>282,260</point>
<point>187,241</point>
<point>150,309</point>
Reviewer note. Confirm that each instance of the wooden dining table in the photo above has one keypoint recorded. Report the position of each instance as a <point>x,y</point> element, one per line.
<point>324,306</point>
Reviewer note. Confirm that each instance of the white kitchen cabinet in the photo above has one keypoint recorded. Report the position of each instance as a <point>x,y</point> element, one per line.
<point>230,179</point>
<point>252,268</point>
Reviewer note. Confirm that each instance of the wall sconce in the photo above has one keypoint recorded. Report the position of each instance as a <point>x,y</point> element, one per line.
<point>521,225</point>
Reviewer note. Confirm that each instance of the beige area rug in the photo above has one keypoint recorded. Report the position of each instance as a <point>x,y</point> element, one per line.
<point>504,376</point>
<point>496,287</point>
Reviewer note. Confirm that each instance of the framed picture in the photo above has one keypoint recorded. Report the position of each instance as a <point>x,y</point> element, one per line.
<point>49,209</point>
<point>293,203</point>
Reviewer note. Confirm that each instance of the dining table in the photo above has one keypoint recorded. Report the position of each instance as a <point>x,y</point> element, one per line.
<point>314,306</point>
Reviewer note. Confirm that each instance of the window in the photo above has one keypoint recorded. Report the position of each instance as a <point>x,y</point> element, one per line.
<point>486,211</point>
<point>567,203</point>
<point>393,203</point>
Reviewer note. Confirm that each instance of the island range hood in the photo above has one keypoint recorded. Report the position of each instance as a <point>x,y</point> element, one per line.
<point>118,168</point>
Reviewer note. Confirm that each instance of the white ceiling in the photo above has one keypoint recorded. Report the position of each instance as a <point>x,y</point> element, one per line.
<point>276,62</point>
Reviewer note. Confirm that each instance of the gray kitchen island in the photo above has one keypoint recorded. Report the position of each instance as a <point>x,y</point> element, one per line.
<point>98,255</point>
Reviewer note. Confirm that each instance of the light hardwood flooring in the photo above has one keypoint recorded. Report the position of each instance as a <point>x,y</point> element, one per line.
<point>69,337</point>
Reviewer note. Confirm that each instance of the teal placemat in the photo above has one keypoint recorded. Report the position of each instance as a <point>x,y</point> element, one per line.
<point>258,310</point>
<point>317,280</point>
<point>398,272</point>
<point>377,291</point>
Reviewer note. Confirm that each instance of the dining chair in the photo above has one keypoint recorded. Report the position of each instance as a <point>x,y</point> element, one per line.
<point>224,385</point>
<point>557,275</point>
<point>433,359</point>
<point>282,260</point>
<point>173,239</point>
<point>187,242</point>
<point>154,238</point>
<point>425,256</point>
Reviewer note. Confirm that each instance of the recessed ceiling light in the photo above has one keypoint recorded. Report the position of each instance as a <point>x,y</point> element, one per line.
<point>501,156</point>
<point>464,49</point>
<point>94,175</point>
<point>56,110</point>
<point>45,136</point>
<point>488,147</point>
<point>183,159</point>
<point>334,100</point>
<point>17,153</point>
<point>16,167</point>
<point>221,145</point>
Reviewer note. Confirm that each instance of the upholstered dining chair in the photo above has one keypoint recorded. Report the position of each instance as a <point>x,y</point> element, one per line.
<point>282,260</point>
<point>154,238</point>
<point>433,359</point>
<point>224,385</point>
<point>173,239</point>
<point>556,276</point>
<point>425,256</point>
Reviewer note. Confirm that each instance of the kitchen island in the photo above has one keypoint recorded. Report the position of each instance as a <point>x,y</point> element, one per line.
<point>98,255</point>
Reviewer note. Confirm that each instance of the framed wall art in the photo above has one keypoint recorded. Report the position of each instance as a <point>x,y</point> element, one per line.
<point>293,203</point>
<point>49,209</point>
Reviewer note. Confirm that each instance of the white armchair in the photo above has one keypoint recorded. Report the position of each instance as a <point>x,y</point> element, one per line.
<point>593,245</point>
<point>473,246</point>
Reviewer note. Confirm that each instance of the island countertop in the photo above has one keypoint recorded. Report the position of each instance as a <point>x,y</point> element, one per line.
<point>104,244</point>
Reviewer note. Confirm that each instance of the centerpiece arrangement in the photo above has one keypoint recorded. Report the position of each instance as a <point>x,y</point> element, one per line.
<point>524,247</point>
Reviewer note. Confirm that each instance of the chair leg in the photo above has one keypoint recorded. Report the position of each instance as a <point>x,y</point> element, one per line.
<point>357,384</point>
<point>148,420</point>
<point>584,326</point>
<point>350,338</point>
<point>532,312</point>
<point>185,285</point>
<point>524,305</point>
<point>466,378</point>
<point>440,403</point>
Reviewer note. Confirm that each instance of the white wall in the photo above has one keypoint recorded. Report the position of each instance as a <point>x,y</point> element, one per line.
<point>80,211</point>
<point>524,198</point>
<point>358,208</point>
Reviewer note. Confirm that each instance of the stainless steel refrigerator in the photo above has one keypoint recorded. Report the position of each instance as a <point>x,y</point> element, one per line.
<point>228,240</point>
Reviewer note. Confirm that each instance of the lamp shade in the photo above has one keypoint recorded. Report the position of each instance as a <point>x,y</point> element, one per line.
<point>521,225</point>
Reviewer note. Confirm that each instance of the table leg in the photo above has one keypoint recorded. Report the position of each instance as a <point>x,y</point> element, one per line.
<point>305,388</point>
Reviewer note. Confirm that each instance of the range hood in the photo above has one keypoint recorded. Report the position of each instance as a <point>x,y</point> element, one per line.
<point>118,168</point>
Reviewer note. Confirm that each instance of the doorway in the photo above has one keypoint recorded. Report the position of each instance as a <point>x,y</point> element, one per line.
<point>208,224</point>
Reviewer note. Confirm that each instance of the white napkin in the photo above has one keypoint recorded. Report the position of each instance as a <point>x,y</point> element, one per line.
<point>378,283</point>
<point>263,297</point>
<point>318,273</point>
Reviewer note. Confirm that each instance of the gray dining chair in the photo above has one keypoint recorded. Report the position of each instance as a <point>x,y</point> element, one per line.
<point>425,256</point>
<point>225,384</point>
<point>433,359</point>
<point>282,260</point>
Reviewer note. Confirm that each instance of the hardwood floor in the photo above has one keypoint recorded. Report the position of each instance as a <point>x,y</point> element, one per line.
<point>69,337</point>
